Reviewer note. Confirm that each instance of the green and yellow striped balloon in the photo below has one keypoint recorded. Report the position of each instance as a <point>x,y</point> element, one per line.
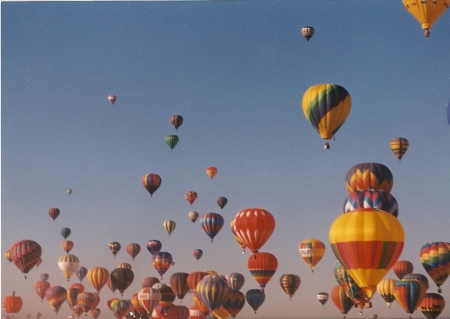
<point>326,107</point>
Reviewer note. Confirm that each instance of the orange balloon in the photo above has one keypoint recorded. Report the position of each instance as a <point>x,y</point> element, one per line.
<point>211,171</point>
<point>67,245</point>
<point>98,277</point>
<point>262,266</point>
<point>191,196</point>
<point>254,226</point>
<point>402,268</point>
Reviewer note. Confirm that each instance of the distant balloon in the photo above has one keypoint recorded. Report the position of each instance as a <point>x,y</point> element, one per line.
<point>197,253</point>
<point>54,212</point>
<point>161,262</point>
<point>236,237</point>
<point>40,287</point>
<point>25,254</point>
<point>151,182</point>
<point>176,121</point>
<point>153,246</point>
<point>307,32</point>
<point>255,298</point>
<point>290,283</point>
<point>67,245</point>
<point>211,171</point>
<point>222,201</point>
<point>212,223</point>
<point>68,264</point>
<point>122,278</point>
<point>44,276</point>
<point>8,255</point>
<point>326,107</point>
<point>312,251</point>
<point>402,268</point>
<point>112,98</point>
<point>399,146</point>
<point>193,216</point>
<point>98,277</point>
<point>65,232</point>
<point>69,191</point>
<point>191,196</point>
<point>114,247</point>
<point>133,249</point>
<point>172,140</point>
<point>322,297</point>
<point>169,226</point>
<point>426,12</point>
<point>81,272</point>
<point>56,295</point>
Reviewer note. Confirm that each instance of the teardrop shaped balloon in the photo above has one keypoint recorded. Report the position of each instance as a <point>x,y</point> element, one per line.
<point>40,287</point>
<point>235,281</point>
<point>341,300</point>
<point>148,282</point>
<point>133,249</point>
<point>222,201</point>
<point>68,264</point>
<point>212,223</point>
<point>65,232</point>
<point>312,251</point>
<point>153,246</point>
<point>81,272</point>
<point>193,216</point>
<point>402,268</point>
<point>234,303</point>
<point>178,283</point>
<point>25,254</point>
<point>435,258</point>
<point>399,146</point>
<point>56,295</point>
<point>161,262</point>
<point>290,283</point>
<point>114,247</point>
<point>67,245</point>
<point>426,12</point>
<point>122,278</point>
<point>211,171</point>
<point>191,196</point>
<point>176,121</point>
<point>112,98</point>
<point>98,277</point>
<point>197,253</point>
<point>149,298</point>
<point>322,297</point>
<point>212,290</point>
<point>307,32</point>
<point>54,212</point>
<point>172,140</point>
<point>262,266</point>
<point>169,226</point>
<point>432,305</point>
<point>409,294</point>
<point>255,298</point>
<point>151,182</point>
<point>386,290</point>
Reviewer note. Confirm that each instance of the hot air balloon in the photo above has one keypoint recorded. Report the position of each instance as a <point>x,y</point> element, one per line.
<point>212,291</point>
<point>169,226</point>
<point>426,12</point>
<point>120,307</point>
<point>25,254</point>
<point>307,32</point>
<point>178,283</point>
<point>197,253</point>
<point>222,201</point>
<point>367,242</point>
<point>371,198</point>
<point>176,121</point>
<point>56,295</point>
<point>78,286</point>
<point>290,284</point>
<point>408,293</point>
<point>399,146</point>
<point>138,308</point>
<point>341,300</point>
<point>255,298</point>
<point>125,265</point>
<point>68,264</point>
<point>95,312</point>
<point>191,196</point>
<point>369,175</point>
<point>236,237</point>
<point>234,303</point>
<point>211,223</point>
<point>12,304</point>
<point>98,277</point>
<point>386,290</point>
<point>432,305</point>
<point>322,297</point>
<point>151,182</point>
<point>211,171</point>
<point>254,226</point>
<point>172,140</point>
<point>44,276</point>
<point>194,278</point>
<point>326,107</point>
<point>67,245</point>
<point>65,232</point>
<point>72,294</point>
<point>349,285</point>
<point>81,272</point>
<point>149,298</point>
<point>54,212</point>
<point>153,246</point>
<point>148,282</point>
<point>114,247</point>
<point>193,216</point>
<point>435,258</point>
<point>162,261</point>
<point>69,191</point>
<point>402,267</point>
<point>235,281</point>
<point>86,300</point>
<point>122,278</point>
<point>312,251</point>
<point>41,287</point>
<point>422,279</point>
<point>133,249</point>
<point>112,98</point>
<point>262,266</point>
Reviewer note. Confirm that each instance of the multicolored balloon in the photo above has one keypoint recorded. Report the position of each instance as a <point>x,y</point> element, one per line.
<point>386,290</point>
<point>197,253</point>
<point>40,287</point>
<point>435,258</point>
<point>399,146</point>
<point>25,254</point>
<point>212,290</point>
<point>176,121</point>
<point>371,198</point>
<point>290,283</point>
<point>68,264</point>
<point>235,281</point>
<point>54,212</point>
<point>161,262</point>
<point>67,245</point>
<point>432,305</point>
<point>212,223</point>
<point>262,266</point>
<point>322,297</point>
<point>369,175</point>
<point>312,251</point>
<point>81,272</point>
<point>133,249</point>
<point>307,32</point>
<point>191,196</point>
<point>326,107</point>
<point>114,247</point>
<point>211,171</point>
<point>149,298</point>
<point>409,294</point>
<point>56,295</point>
<point>341,300</point>
<point>153,246</point>
<point>151,182</point>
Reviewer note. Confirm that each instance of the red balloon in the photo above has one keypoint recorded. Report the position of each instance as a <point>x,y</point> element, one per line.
<point>25,254</point>
<point>151,182</point>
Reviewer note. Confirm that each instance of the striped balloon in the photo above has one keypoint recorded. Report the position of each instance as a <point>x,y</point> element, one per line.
<point>153,246</point>
<point>262,266</point>
<point>212,291</point>
<point>386,290</point>
<point>234,303</point>
<point>402,268</point>
<point>133,249</point>
<point>422,279</point>
<point>68,264</point>
<point>235,281</point>
<point>86,300</point>
<point>312,251</point>
<point>25,254</point>
<point>399,146</point>
<point>98,277</point>
<point>212,223</point>
<point>178,283</point>
<point>326,107</point>
<point>151,182</point>
<point>432,305</point>
<point>341,300</point>
<point>169,226</point>
<point>435,258</point>
<point>371,198</point>
<point>290,283</point>
<point>56,295</point>
<point>149,298</point>
<point>161,261</point>
<point>409,294</point>
<point>255,298</point>
<point>369,175</point>
<point>367,242</point>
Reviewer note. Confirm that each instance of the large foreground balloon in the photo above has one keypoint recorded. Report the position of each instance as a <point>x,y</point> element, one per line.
<point>432,305</point>
<point>212,223</point>
<point>326,107</point>
<point>367,242</point>
<point>426,12</point>
<point>262,266</point>
<point>254,226</point>
<point>399,146</point>
<point>25,254</point>
<point>435,258</point>
<point>151,182</point>
<point>312,251</point>
<point>369,175</point>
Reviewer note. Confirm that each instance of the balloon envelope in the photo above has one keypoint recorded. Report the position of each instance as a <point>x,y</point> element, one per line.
<point>151,182</point>
<point>307,32</point>
<point>25,254</point>
<point>312,251</point>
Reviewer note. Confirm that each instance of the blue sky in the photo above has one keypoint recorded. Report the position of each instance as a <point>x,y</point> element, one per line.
<point>236,72</point>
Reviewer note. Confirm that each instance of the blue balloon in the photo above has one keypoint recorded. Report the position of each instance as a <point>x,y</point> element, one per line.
<point>255,298</point>
<point>65,232</point>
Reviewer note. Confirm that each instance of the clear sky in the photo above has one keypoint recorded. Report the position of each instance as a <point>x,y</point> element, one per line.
<point>236,72</point>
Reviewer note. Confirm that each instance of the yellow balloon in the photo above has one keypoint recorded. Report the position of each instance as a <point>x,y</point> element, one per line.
<point>221,313</point>
<point>426,12</point>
